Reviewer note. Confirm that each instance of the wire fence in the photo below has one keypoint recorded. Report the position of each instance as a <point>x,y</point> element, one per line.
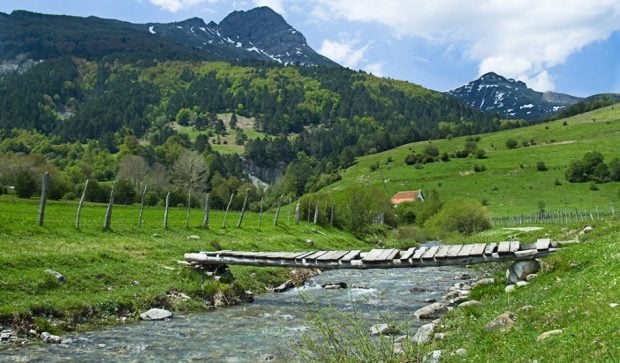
<point>556,217</point>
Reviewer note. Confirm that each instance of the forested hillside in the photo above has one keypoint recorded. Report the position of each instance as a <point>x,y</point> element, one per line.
<point>316,119</point>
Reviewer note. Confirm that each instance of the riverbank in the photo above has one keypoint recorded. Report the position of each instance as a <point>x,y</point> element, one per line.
<point>58,279</point>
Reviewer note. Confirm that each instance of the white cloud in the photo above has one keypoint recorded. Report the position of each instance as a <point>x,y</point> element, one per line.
<point>347,53</point>
<point>175,5</point>
<point>521,39</point>
<point>374,68</point>
<point>275,5</point>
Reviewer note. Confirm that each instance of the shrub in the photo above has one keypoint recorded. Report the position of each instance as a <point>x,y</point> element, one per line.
<point>593,186</point>
<point>374,166</point>
<point>511,143</point>
<point>478,168</point>
<point>480,154</point>
<point>151,198</point>
<point>406,213</point>
<point>25,184</point>
<point>540,166</point>
<point>459,215</point>
<point>124,192</point>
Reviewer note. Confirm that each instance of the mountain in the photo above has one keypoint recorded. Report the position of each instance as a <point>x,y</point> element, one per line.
<point>511,99</point>
<point>257,34</point>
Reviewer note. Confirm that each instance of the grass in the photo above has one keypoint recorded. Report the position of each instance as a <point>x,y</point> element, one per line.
<point>118,273</point>
<point>511,183</point>
<point>573,293</point>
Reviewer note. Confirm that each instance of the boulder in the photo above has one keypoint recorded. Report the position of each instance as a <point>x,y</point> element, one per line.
<point>334,286</point>
<point>219,300</point>
<point>434,357</point>
<point>59,277</point>
<point>548,334</point>
<point>432,311</point>
<point>501,322</point>
<point>510,288</point>
<point>470,303</point>
<point>424,334</point>
<point>398,349</point>
<point>285,286</point>
<point>485,281</point>
<point>519,270</point>
<point>50,339</point>
<point>6,335</point>
<point>383,329</point>
<point>156,314</point>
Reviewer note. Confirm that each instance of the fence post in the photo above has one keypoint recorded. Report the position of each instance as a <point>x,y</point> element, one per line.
<point>245,202</point>
<point>43,200</point>
<point>189,207</point>
<point>166,210</point>
<point>613,211</point>
<point>228,208</point>
<point>316,213</point>
<point>79,208</point>
<point>108,213</point>
<point>288,216</point>
<point>260,211</point>
<point>275,218</point>
<point>297,211</point>
<point>331,217</point>
<point>142,205</point>
<point>205,220</point>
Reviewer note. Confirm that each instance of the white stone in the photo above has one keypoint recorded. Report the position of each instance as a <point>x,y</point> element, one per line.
<point>530,277</point>
<point>469,303</point>
<point>460,352</point>
<point>156,314</point>
<point>50,339</point>
<point>502,321</point>
<point>519,270</point>
<point>193,236</point>
<point>432,311</point>
<point>613,305</point>
<point>548,334</point>
<point>424,333</point>
<point>521,283</point>
<point>383,329</point>
<point>485,281</point>
<point>509,288</point>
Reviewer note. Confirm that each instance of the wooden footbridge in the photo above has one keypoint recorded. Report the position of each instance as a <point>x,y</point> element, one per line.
<point>381,258</point>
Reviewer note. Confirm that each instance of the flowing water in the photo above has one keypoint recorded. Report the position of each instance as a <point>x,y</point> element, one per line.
<point>268,329</point>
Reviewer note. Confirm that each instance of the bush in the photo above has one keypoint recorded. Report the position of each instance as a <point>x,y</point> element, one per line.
<point>406,213</point>
<point>151,198</point>
<point>540,166</point>
<point>511,143</point>
<point>478,168</point>
<point>459,215</point>
<point>480,154</point>
<point>124,192</point>
<point>25,184</point>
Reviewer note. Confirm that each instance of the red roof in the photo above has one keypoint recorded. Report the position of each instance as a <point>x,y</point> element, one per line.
<point>401,197</point>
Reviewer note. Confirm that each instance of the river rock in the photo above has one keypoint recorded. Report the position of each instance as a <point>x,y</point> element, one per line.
<point>502,322</point>
<point>398,349</point>
<point>6,335</point>
<point>434,357</point>
<point>383,329</point>
<point>430,300</point>
<point>470,303</point>
<point>510,288</point>
<point>586,229</point>
<point>50,339</point>
<point>530,277</point>
<point>485,281</point>
<point>548,334</point>
<point>219,300</point>
<point>285,286</point>
<point>424,334</point>
<point>267,357</point>
<point>432,311</point>
<point>521,283</point>
<point>415,290</point>
<point>334,286</point>
<point>439,336</point>
<point>59,277</point>
<point>156,314</point>
<point>519,270</point>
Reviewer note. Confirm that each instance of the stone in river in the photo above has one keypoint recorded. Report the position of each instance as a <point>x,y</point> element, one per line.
<point>156,314</point>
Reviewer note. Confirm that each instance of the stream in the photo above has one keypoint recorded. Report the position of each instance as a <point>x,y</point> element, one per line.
<point>271,328</point>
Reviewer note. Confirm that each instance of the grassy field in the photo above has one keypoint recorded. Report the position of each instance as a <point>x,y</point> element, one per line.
<point>129,269</point>
<point>511,183</point>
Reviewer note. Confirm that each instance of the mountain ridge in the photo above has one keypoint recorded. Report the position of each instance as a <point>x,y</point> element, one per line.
<point>510,98</point>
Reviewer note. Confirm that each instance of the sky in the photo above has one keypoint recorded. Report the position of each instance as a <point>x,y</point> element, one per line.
<point>568,46</point>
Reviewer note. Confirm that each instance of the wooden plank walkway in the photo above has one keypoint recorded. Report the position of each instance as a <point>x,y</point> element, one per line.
<point>381,258</point>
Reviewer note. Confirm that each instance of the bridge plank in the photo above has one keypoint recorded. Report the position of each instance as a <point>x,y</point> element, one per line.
<point>443,251</point>
<point>464,252</point>
<point>315,255</point>
<point>430,253</point>
<point>419,252</point>
<point>478,249</point>
<point>304,255</point>
<point>454,250</point>
<point>333,256</point>
<point>490,248</point>
<point>406,254</point>
<point>372,255</point>
<point>504,247</point>
<point>391,254</point>
<point>543,243</point>
<point>514,246</point>
<point>351,255</point>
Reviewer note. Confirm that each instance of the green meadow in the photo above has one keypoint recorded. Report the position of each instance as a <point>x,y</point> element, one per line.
<point>511,183</point>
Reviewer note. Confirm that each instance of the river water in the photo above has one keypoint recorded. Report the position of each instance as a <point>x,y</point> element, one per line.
<point>271,328</point>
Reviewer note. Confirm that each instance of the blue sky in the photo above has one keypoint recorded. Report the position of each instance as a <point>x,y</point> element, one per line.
<point>570,46</point>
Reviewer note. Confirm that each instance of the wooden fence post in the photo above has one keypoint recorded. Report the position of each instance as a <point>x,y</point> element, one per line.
<point>108,213</point>
<point>275,218</point>
<point>189,206</point>
<point>167,206</point>
<point>297,211</point>
<point>245,203</point>
<point>613,211</point>
<point>43,200</point>
<point>331,217</point>
<point>228,208</point>
<point>260,212</point>
<point>79,208</point>
<point>205,220</point>
<point>309,208</point>
<point>142,205</point>
<point>288,216</point>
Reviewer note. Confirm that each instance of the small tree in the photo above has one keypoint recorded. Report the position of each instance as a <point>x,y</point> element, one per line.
<point>124,192</point>
<point>511,143</point>
<point>540,166</point>
<point>462,216</point>
<point>25,184</point>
